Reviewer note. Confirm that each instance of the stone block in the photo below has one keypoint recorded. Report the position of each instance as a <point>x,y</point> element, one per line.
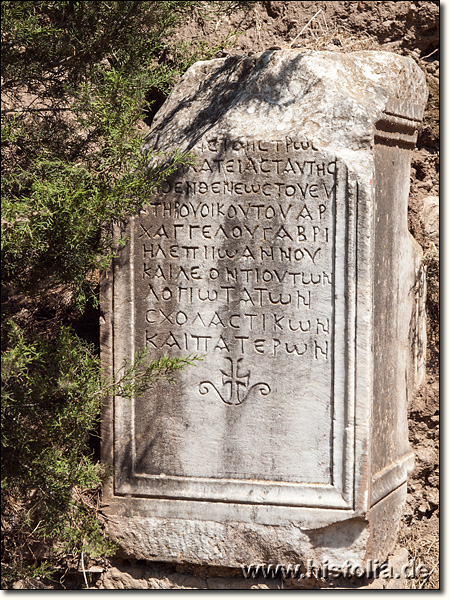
<point>282,256</point>
<point>429,217</point>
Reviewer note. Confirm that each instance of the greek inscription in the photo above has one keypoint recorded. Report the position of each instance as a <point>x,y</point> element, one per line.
<point>237,257</point>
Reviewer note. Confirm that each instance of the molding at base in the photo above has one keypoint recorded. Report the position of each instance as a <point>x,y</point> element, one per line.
<point>391,477</point>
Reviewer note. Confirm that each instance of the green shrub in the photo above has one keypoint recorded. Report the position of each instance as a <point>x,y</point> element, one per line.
<point>77,82</point>
<point>50,404</point>
<point>52,393</point>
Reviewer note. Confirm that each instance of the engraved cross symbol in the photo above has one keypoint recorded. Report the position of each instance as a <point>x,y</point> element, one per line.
<point>235,379</point>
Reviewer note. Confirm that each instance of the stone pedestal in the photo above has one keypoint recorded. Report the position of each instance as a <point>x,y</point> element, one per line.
<point>281,255</point>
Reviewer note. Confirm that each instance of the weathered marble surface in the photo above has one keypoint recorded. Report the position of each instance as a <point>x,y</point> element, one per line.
<point>283,255</point>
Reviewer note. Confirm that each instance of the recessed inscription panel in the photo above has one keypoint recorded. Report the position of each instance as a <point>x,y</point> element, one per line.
<point>235,260</point>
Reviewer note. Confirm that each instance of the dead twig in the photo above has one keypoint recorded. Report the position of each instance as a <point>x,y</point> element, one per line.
<point>431,54</point>
<point>84,570</point>
<point>305,27</point>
